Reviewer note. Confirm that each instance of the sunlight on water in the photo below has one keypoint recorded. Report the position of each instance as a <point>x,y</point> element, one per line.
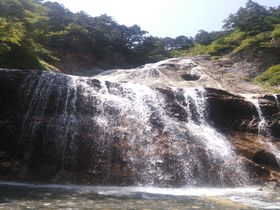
<point>31,196</point>
<point>166,137</point>
<point>137,121</point>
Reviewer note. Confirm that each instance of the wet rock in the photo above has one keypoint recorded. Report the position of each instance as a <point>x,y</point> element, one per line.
<point>265,157</point>
<point>228,112</point>
<point>249,145</point>
<point>258,173</point>
<point>94,83</point>
<point>170,66</point>
<point>268,105</point>
<point>174,103</point>
<point>69,138</point>
<point>275,128</point>
<point>11,108</point>
<point>3,154</point>
<point>272,185</point>
<point>190,77</point>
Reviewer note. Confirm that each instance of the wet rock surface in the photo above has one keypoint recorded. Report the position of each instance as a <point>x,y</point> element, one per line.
<point>78,136</point>
<point>266,157</point>
<point>190,77</point>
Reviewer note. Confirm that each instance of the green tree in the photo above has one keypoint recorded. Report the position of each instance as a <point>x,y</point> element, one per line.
<point>183,42</point>
<point>34,33</point>
<point>12,9</point>
<point>252,19</point>
<point>203,37</point>
<point>59,17</point>
<point>169,43</point>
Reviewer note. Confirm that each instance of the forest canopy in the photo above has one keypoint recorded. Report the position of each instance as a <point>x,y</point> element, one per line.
<point>35,34</point>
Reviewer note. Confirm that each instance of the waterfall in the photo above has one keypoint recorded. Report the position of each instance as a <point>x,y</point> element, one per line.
<point>219,150</point>
<point>276,100</point>
<point>263,126</point>
<point>124,132</point>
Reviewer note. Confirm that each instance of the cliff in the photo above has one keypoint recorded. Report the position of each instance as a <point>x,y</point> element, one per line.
<point>106,130</point>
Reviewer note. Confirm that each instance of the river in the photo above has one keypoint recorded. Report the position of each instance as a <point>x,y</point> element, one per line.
<point>33,196</point>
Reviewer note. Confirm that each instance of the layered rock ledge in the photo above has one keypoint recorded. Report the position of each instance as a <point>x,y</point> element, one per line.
<point>85,152</point>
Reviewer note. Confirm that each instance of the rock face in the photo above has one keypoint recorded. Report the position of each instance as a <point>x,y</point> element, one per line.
<point>265,157</point>
<point>233,112</point>
<point>60,128</point>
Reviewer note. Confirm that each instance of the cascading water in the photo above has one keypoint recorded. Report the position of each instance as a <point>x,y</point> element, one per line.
<point>123,132</point>
<point>135,139</point>
<point>276,100</point>
<point>217,149</point>
<point>263,126</point>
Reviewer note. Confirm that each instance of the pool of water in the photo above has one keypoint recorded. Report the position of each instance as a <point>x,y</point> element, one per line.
<point>33,196</point>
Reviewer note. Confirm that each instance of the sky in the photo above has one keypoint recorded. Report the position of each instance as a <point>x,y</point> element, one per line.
<point>164,18</point>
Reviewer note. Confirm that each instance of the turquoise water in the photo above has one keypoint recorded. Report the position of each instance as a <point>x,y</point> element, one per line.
<point>29,196</point>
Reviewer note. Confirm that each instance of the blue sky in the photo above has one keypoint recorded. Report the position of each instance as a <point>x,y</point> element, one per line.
<point>165,17</point>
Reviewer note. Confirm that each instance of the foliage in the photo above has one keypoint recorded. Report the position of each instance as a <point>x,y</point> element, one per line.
<point>234,38</point>
<point>35,34</point>
<point>252,27</point>
<point>214,49</point>
<point>276,32</point>
<point>271,76</point>
<point>11,32</point>
<point>252,19</point>
<point>203,37</point>
<point>259,40</point>
<point>183,42</point>
<point>22,25</point>
<point>219,49</point>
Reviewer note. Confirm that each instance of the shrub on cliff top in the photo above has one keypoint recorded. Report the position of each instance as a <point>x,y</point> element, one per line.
<point>271,76</point>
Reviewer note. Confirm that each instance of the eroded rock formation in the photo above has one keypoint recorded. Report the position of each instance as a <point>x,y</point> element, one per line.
<point>60,128</point>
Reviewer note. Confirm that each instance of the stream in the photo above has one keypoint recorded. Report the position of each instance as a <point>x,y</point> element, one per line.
<point>32,196</point>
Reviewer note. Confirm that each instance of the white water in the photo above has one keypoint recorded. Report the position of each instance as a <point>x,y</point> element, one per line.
<point>263,126</point>
<point>218,149</point>
<point>97,197</point>
<point>164,137</point>
<point>124,191</point>
<point>161,135</point>
<point>277,102</point>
